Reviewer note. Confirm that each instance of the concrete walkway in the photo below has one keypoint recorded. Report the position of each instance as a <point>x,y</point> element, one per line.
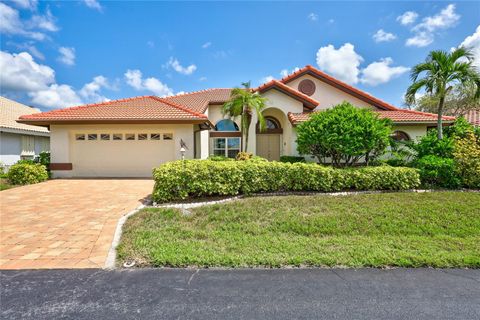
<point>241,294</point>
<point>64,223</point>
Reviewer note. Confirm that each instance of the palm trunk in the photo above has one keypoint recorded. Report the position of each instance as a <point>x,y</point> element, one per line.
<point>439,120</point>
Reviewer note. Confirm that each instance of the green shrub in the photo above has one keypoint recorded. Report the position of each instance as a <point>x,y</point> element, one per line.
<point>467,160</point>
<point>25,161</point>
<point>292,159</point>
<point>219,158</point>
<point>25,173</point>
<point>242,156</point>
<point>437,171</point>
<point>430,145</point>
<point>198,178</point>
<point>345,134</point>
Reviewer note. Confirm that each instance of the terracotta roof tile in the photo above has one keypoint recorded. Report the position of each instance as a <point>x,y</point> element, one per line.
<point>310,102</point>
<point>397,116</point>
<point>198,101</point>
<point>146,108</point>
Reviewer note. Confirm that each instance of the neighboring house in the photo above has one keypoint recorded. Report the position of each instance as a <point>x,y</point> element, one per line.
<point>128,137</point>
<point>18,140</point>
<point>473,116</point>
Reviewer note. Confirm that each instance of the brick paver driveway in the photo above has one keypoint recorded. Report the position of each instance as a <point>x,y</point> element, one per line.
<point>64,223</point>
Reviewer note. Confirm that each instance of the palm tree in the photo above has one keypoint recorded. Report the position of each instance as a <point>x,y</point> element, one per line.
<point>438,75</point>
<point>243,103</point>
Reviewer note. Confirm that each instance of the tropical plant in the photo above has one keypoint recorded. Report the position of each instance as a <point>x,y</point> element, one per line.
<point>243,103</point>
<point>345,134</point>
<point>467,160</point>
<point>438,75</point>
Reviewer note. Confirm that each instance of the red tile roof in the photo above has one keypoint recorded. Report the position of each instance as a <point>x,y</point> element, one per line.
<point>473,116</point>
<point>320,75</point>
<point>146,108</point>
<point>198,101</point>
<point>308,101</point>
<point>397,116</point>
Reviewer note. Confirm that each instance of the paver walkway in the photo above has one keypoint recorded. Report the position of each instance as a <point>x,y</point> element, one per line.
<point>64,223</point>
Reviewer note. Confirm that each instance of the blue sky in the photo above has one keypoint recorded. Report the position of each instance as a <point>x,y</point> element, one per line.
<point>57,54</point>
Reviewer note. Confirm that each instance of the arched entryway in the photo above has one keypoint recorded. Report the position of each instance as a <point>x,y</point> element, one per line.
<point>269,141</point>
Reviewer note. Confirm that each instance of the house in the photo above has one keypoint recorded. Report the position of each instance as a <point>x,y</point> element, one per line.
<point>128,137</point>
<point>18,140</point>
<point>473,116</point>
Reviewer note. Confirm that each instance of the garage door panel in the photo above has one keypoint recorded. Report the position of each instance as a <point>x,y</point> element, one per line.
<point>125,158</point>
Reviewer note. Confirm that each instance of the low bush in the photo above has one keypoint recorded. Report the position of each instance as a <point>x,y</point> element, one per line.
<point>219,158</point>
<point>292,159</point>
<point>26,173</point>
<point>198,178</point>
<point>467,160</point>
<point>242,156</point>
<point>437,172</point>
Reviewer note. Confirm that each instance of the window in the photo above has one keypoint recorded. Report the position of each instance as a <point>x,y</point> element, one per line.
<point>104,136</point>
<point>400,136</point>
<point>271,123</point>
<point>155,136</point>
<point>28,147</point>
<point>129,136</point>
<point>168,136</point>
<point>142,136</point>
<point>117,136</point>
<point>226,125</point>
<point>92,136</point>
<point>228,147</point>
<point>80,137</point>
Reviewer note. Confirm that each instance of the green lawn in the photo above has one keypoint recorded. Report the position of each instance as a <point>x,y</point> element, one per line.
<point>4,185</point>
<point>440,229</point>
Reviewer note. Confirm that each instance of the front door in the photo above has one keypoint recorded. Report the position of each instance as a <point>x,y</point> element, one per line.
<point>268,146</point>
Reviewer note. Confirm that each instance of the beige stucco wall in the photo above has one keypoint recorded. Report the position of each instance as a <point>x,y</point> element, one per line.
<point>62,150</point>
<point>327,95</point>
<point>415,132</point>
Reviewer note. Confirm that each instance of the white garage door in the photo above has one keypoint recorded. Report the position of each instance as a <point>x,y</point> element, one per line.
<point>120,154</point>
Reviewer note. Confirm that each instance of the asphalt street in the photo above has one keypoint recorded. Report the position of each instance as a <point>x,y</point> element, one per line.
<point>241,294</point>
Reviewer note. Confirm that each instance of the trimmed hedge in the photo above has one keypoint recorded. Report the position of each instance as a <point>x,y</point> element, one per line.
<point>26,173</point>
<point>198,178</point>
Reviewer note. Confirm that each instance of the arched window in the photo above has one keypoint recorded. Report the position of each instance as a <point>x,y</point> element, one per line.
<point>271,123</point>
<point>226,125</point>
<point>400,136</point>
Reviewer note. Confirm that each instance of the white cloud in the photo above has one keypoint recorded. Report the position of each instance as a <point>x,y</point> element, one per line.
<point>381,72</point>
<point>93,4</point>
<point>21,73</point>
<point>151,44</point>
<point>67,55</point>
<point>135,79</point>
<point>28,46</point>
<point>424,32</point>
<point>285,72</point>
<point>343,63</point>
<point>26,4</point>
<point>175,64</point>
<point>408,17</point>
<point>221,54</point>
<point>267,79</point>
<point>202,79</point>
<point>331,21</point>
<point>45,22</point>
<point>91,91</point>
<point>56,96</point>
<point>206,45</point>
<point>421,39</point>
<point>382,36</point>
<point>10,23</point>
<point>312,17</point>
<point>473,42</point>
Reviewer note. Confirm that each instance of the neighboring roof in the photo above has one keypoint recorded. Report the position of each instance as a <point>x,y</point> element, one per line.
<point>322,76</point>
<point>10,111</point>
<point>473,116</point>
<point>138,109</point>
<point>275,84</point>
<point>397,116</point>
<point>198,101</point>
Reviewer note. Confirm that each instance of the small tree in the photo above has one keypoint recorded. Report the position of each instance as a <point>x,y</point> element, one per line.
<point>439,74</point>
<point>243,103</point>
<point>345,134</point>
